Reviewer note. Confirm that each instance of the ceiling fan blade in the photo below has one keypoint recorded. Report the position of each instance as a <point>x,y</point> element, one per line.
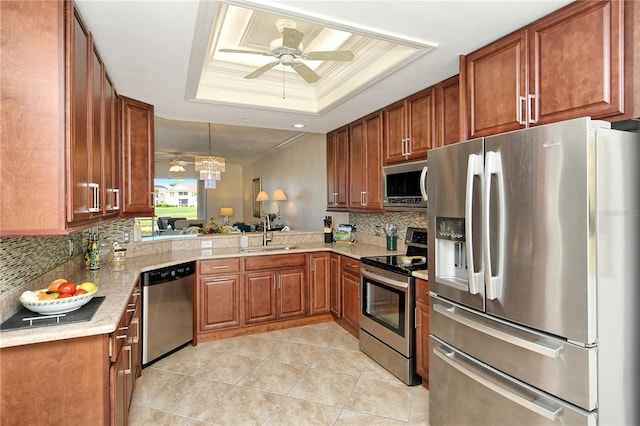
<point>330,55</point>
<point>262,70</point>
<point>249,52</point>
<point>291,38</point>
<point>309,75</point>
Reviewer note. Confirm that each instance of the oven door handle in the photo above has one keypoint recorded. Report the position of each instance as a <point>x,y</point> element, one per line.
<point>400,285</point>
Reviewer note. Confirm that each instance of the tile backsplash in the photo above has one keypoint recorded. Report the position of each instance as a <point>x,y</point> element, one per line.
<point>22,259</point>
<point>373,224</point>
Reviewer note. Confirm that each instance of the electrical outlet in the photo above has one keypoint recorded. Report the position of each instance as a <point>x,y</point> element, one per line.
<point>207,244</point>
<point>70,247</point>
<point>125,237</point>
<point>207,253</point>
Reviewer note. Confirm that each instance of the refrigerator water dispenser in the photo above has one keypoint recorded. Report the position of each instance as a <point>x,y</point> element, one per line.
<point>451,256</point>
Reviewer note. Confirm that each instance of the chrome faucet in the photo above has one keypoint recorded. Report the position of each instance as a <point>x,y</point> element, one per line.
<point>266,225</point>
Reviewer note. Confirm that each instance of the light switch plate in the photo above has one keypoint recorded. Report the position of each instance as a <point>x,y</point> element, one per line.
<point>207,244</point>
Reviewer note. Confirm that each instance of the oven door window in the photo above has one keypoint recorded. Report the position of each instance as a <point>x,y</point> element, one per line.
<point>384,305</point>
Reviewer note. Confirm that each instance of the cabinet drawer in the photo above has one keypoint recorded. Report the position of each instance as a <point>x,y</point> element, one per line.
<point>274,261</point>
<point>118,337</point>
<point>216,266</point>
<point>422,290</point>
<point>350,265</point>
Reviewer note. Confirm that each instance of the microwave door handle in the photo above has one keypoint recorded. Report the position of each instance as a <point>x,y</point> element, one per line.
<point>493,167</point>
<point>423,183</point>
<point>474,168</point>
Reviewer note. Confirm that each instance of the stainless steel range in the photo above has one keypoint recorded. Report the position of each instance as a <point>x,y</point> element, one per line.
<point>387,314</point>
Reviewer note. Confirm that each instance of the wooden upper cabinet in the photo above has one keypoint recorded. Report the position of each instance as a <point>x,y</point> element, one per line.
<point>111,150</point>
<point>32,150</point>
<point>137,158</point>
<point>566,65</point>
<point>496,86</point>
<point>81,183</point>
<point>409,128</point>
<point>337,168</point>
<point>447,112</point>
<point>365,163</point>
<point>576,63</point>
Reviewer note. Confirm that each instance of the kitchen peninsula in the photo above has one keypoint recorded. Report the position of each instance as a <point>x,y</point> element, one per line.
<point>91,369</point>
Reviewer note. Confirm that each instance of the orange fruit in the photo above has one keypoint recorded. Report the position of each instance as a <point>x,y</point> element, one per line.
<point>46,296</point>
<point>53,286</point>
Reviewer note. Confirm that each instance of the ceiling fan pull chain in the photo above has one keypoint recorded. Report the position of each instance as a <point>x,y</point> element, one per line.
<point>283,96</point>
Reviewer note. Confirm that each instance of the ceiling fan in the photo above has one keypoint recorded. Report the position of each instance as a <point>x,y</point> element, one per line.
<point>289,52</point>
<point>176,164</point>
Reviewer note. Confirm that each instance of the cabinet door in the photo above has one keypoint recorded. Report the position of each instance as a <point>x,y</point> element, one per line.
<point>118,389</point>
<point>219,302</point>
<point>320,300</point>
<point>373,162</point>
<point>260,297</point>
<point>357,165</point>
<point>79,142</point>
<point>447,112</point>
<point>422,342</point>
<point>110,163</point>
<point>496,86</point>
<point>292,293</point>
<point>334,279</point>
<point>96,185</point>
<point>394,133</point>
<point>420,119</point>
<point>137,158</point>
<point>337,168</point>
<point>576,63</point>
<point>350,284</point>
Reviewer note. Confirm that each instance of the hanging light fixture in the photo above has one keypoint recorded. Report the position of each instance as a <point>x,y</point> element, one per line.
<point>209,167</point>
<point>176,166</point>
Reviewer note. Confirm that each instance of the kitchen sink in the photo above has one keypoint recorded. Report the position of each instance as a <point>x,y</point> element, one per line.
<point>266,248</point>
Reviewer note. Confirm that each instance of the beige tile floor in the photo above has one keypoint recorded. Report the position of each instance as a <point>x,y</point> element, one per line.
<point>311,375</point>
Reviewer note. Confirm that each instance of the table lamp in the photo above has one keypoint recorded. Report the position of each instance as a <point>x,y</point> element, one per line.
<point>279,195</point>
<point>226,212</point>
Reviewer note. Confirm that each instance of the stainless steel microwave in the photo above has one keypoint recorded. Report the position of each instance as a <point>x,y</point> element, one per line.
<point>404,186</point>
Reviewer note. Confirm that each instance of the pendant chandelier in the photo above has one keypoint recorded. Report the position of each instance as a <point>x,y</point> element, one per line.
<point>209,167</point>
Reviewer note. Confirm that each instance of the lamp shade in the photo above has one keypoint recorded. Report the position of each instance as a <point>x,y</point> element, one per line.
<point>279,195</point>
<point>262,196</point>
<point>226,211</point>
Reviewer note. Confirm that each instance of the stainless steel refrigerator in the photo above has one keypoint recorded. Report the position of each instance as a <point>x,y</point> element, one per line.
<point>534,277</point>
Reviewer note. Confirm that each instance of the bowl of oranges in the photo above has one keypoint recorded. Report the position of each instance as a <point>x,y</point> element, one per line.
<point>60,296</point>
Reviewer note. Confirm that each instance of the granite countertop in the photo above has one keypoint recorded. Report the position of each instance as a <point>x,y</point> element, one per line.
<point>116,281</point>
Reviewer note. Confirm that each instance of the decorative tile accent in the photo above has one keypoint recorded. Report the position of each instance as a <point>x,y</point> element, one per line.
<point>373,224</point>
<point>23,259</point>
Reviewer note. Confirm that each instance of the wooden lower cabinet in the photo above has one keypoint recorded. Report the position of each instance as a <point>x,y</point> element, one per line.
<point>275,287</point>
<point>350,293</point>
<point>275,295</point>
<point>85,381</point>
<point>219,294</point>
<point>334,283</point>
<point>220,302</point>
<point>319,283</point>
<point>422,330</point>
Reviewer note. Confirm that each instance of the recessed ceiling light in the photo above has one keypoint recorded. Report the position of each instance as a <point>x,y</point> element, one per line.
<point>298,125</point>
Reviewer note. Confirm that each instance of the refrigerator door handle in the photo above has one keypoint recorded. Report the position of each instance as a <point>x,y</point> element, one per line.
<point>474,168</point>
<point>493,166</point>
<point>530,345</point>
<point>423,183</point>
<point>547,411</point>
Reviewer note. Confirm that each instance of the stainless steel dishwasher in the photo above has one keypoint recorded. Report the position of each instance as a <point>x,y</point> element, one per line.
<point>167,310</point>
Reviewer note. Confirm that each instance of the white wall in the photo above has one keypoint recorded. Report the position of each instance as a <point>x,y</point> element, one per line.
<point>228,193</point>
<point>300,170</point>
